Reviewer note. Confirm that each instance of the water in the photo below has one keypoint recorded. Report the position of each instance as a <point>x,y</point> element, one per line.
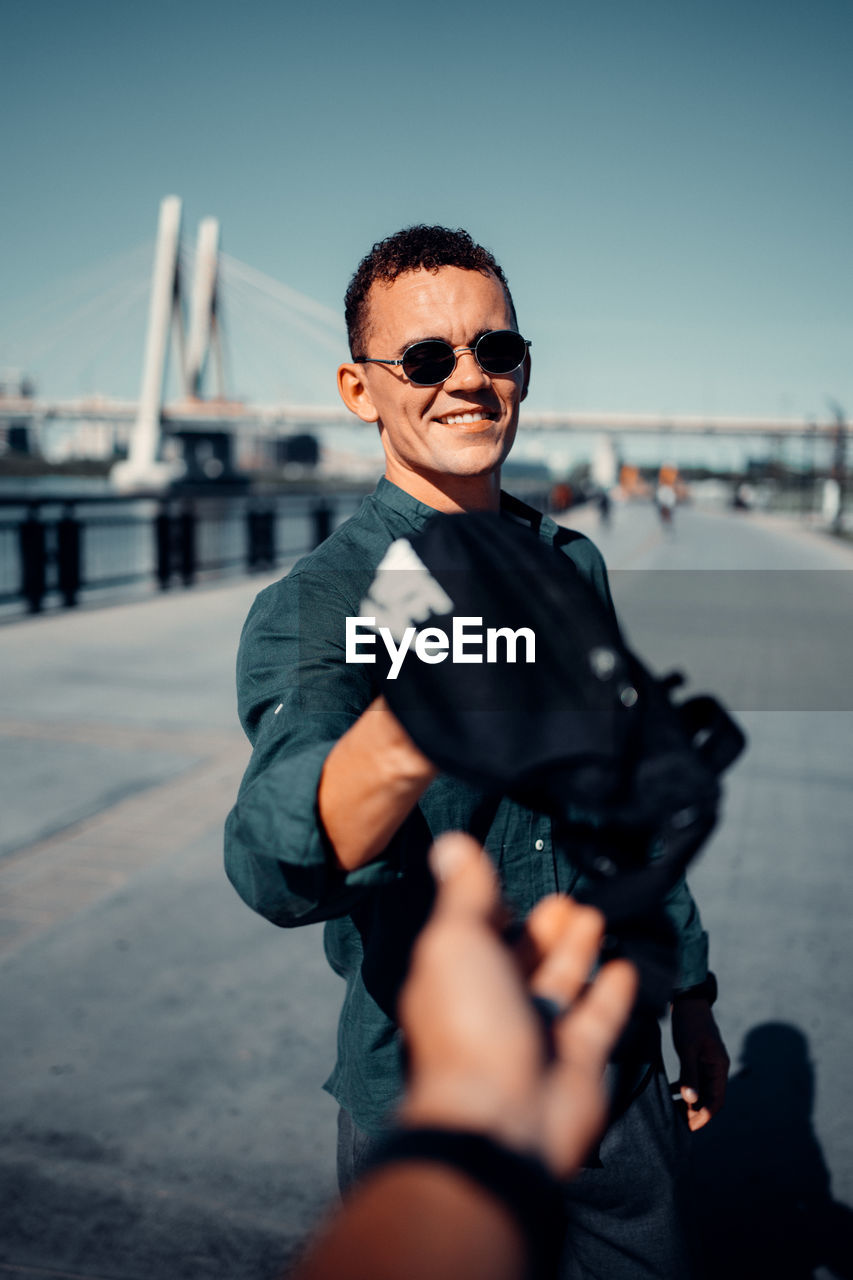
<point>53,486</point>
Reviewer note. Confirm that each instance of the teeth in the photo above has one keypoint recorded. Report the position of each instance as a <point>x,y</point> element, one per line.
<point>463,419</point>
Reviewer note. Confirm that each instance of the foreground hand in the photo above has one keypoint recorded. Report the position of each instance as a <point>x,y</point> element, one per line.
<point>478,1056</point>
<point>703,1057</point>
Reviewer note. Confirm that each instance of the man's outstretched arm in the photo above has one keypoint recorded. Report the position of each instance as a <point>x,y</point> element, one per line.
<point>332,777</point>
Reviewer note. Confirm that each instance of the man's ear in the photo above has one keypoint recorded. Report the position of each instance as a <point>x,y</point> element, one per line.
<point>354,393</point>
<point>525,376</point>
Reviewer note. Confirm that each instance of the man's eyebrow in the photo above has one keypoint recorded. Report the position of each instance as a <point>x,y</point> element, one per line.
<point>413,341</point>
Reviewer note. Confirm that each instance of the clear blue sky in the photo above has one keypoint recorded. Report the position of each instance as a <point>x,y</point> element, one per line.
<point>668,185</point>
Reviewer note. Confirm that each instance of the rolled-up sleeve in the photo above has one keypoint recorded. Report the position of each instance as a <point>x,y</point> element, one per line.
<point>296,695</point>
<point>692,944</point>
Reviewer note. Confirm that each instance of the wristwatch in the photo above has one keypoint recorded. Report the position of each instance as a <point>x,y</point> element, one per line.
<point>706,990</point>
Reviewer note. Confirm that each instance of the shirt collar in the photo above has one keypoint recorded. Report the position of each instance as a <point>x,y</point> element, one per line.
<point>417,513</point>
<point>391,495</point>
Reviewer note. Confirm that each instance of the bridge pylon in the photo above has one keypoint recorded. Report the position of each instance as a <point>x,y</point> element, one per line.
<point>145,468</point>
<point>204,312</point>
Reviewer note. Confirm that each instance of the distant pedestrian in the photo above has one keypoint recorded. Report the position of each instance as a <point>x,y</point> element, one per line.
<point>665,500</point>
<point>561,496</point>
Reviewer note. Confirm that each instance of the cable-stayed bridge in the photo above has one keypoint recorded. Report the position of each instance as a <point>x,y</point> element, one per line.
<point>211,313</point>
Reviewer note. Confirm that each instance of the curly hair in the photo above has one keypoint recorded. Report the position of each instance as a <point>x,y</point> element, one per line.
<point>413,248</point>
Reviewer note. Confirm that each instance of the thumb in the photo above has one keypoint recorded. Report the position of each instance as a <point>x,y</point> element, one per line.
<point>464,875</point>
<point>689,1078</point>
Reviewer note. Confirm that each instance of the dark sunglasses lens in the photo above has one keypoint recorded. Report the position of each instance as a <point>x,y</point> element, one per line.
<point>501,352</point>
<point>428,363</point>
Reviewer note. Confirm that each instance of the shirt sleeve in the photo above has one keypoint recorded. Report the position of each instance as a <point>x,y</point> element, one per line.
<point>296,697</point>
<point>692,963</point>
<point>590,564</point>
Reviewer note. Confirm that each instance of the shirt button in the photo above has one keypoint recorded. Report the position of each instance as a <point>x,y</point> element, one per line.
<point>539,846</point>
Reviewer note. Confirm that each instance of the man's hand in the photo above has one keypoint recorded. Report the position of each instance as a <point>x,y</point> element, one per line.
<point>478,1055</point>
<point>703,1057</point>
<point>373,777</point>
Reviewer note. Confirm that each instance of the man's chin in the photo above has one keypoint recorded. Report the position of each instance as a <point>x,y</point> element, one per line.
<point>471,468</point>
<point>474,456</point>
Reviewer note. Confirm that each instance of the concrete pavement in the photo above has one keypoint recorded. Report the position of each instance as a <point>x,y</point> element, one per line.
<point>759,610</point>
<point>163,1047</point>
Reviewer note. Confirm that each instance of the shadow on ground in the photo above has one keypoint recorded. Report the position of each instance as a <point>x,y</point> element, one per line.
<point>763,1193</point>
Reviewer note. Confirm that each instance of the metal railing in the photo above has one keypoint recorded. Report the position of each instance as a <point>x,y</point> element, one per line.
<point>57,552</point>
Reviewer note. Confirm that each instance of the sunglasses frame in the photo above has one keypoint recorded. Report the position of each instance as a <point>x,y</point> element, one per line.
<point>456,352</point>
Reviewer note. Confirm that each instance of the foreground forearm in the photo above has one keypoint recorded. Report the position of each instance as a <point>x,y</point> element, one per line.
<point>420,1221</point>
<point>372,779</point>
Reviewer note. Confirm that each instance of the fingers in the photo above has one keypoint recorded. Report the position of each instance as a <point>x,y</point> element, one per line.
<point>697,1117</point>
<point>565,939</point>
<point>542,929</point>
<point>703,1084</point>
<point>584,1038</point>
<point>587,1033</point>
<point>689,1088</point>
<point>713,1075</point>
<point>465,878</point>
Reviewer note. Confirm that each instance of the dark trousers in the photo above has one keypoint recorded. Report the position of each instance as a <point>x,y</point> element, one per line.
<point>625,1219</point>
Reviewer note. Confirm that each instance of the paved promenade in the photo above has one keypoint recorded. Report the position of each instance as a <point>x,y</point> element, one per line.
<point>163,1048</point>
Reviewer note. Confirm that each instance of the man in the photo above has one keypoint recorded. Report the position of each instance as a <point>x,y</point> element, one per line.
<point>338,807</point>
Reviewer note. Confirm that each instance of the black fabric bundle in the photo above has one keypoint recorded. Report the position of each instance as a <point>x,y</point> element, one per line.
<point>584,732</point>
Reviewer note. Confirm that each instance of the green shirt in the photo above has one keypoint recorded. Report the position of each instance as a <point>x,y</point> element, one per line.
<point>297,695</point>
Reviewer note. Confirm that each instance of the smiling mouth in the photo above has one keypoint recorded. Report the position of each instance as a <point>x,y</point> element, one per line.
<point>467,419</point>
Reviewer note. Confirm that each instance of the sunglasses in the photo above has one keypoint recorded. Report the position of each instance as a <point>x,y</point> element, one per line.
<point>429,363</point>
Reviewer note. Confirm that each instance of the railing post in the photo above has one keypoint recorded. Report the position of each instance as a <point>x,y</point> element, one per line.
<point>322,516</point>
<point>68,556</point>
<point>33,547</point>
<point>186,533</point>
<point>268,541</point>
<point>261,539</point>
<point>163,538</point>
<point>252,539</point>
<point>265,538</point>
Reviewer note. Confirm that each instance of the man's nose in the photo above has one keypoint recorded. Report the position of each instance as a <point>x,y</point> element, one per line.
<point>467,372</point>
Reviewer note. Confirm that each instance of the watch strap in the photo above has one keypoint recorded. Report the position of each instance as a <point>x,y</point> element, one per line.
<point>522,1183</point>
